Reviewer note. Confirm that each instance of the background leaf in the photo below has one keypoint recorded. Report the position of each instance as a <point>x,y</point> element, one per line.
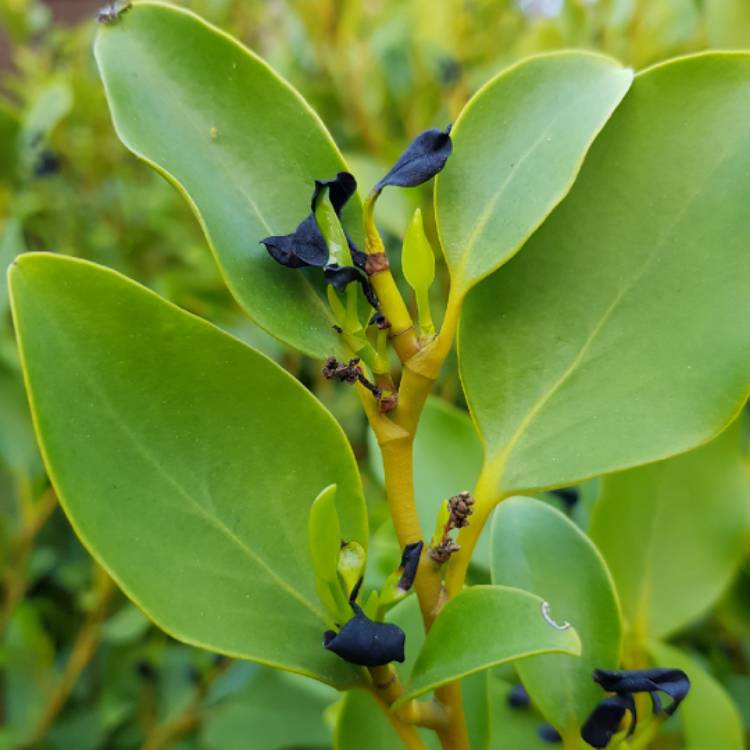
<point>619,334</point>
<point>481,627</point>
<point>238,142</point>
<point>674,533</point>
<point>517,147</point>
<point>709,718</point>
<point>536,548</point>
<point>260,711</point>
<point>186,462</point>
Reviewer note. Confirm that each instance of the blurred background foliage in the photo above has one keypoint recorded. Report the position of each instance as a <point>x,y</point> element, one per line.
<point>81,667</point>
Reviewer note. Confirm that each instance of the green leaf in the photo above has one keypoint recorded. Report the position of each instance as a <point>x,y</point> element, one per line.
<point>709,717</point>
<point>619,335</point>
<point>324,541</point>
<point>362,724</point>
<point>537,548</point>
<point>674,533</point>
<point>417,258</point>
<point>260,714</point>
<point>186,462</point>
<point>238,142</point>
<point>512,728</point>
<point>517,148</point>
<point>480,628</point>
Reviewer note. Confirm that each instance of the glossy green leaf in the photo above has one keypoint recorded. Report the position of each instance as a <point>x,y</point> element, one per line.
<point>674,533</point>
<point>417,259</point>
<point>538,549</point>
<point>708,716</point>
<point>186,462</point>
<point>259,714</point>
<point>517,148</point>
<point>480,628</point>
<point>512,728</point>
<point>619,334</point>
<point>238,142</point>
<point>363,724</point>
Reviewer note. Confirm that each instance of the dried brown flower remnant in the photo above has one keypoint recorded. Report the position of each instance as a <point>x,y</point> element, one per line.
<point>460,507</point>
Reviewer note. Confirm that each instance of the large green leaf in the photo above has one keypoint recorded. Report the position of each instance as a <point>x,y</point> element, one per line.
<point>240,144</point>
<point>709,717</point>
<point>186,461</point>
<point>537,548</point>
<point>260,711</point>
<point>674,533</point>
<point>518,146</point>
<point>512,728</point>
<point>619,335</point>
<point>480,628</point>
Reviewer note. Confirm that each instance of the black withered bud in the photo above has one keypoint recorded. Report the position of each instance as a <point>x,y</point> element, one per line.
<point>547,733</point>
<point>364,642</point>
<point>674,682</point>
<point>409,564</point>
<point>605,720</point>
<point>518,697</point>
<point>424,158</point>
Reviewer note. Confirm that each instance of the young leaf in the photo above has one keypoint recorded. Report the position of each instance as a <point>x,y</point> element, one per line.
<point>418,265</point>
<point>619,335</point>
<point>708,716</point>
<point>482,627</point>
<point>186,462</point>
<point>674,533</point>
<point>537,548</point>
<point>517,148</point>
<point>237,141</point>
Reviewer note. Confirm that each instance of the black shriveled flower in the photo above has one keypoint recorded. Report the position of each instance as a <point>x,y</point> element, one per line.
<point>518,697</point>
<point>547,733</point>
<point>364,642</point>
<point>409,565</point>
<point>604,721</point>
<point>306,246</point>
<point>424,158</point>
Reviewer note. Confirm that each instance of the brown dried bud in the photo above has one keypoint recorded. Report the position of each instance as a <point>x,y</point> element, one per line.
<point>444,550</point>
<point>461,506</point>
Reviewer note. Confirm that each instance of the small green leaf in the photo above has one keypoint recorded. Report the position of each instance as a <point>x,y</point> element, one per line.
<point>238,142</point>
<point>351,564</point>
<point>537,548</point>
<point>674,533</point>
<point>332,231</point>
<point>324,534</point>
<point>418,265</point>
<point>517,148</point>
<point>619,334</point>
<point>482,627</point>
<point>324,540</point>
<point>708,716</point>
<point>186,462</point>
